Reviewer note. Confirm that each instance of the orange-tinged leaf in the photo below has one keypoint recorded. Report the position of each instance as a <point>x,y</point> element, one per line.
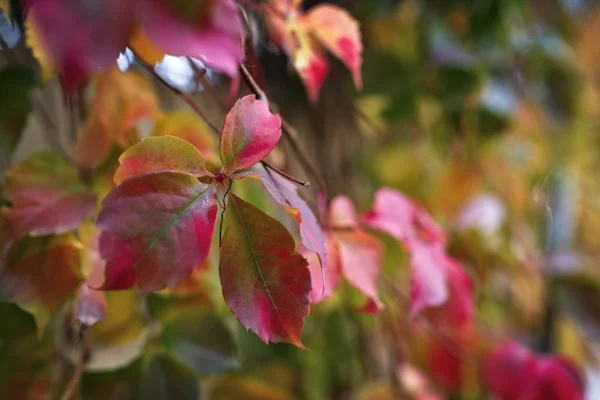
<point>46,196</point>
<point>265,283</point>
<point>40,273</point>
<point>191,128</point>
<point>157,229</point>
<point>124,98</point>
<point>143,47</point>
<point>340,34</point>
<point>249,133</point>
<point>159,154</point>
<point>93,145</point>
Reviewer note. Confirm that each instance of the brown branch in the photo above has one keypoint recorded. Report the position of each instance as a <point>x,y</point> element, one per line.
<point>286,176</point>
<point>184,96</point>
<point>290,133</point>
<point>79,368</point>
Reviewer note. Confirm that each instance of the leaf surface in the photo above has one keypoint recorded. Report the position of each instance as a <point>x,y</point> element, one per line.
<point>249,133</point>
<point>157,230</point>
<point>265,283</point>
<point>286,194</point>
<point>159,154</point>
<point>47,196</point>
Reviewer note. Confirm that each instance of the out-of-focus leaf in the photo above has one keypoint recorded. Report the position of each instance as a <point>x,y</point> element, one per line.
<point>40,273</point>
<point>191,128</point>
<point>265,283</point>
<point>157,230</point>
<point>159,154</point>
<point>200,340</point>
<point>211,31</point>
<point>75,37</point>
<point>47,196</point>
<point>15,106</point>
<point>233,387</point>
<point>165,378</point>
<point>249,133</point>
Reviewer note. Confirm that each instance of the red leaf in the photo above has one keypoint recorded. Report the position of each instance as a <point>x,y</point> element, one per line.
<point>157,230</point>
<point>558,379</point>
<point>41,272</point>
<point>159,154</point>
<point>249,133</point>
<point>76,36</point>
<point>47,196</point>
<point>265,283</point>
<point>208,30</point>
<point>510,372</point>
<point>340,34</point>
<point>286,194</point>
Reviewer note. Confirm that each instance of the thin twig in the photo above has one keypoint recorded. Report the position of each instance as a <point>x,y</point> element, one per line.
<point>290,133</point>
<point>79,368</point>
<point>184,96</point>
<point>286,176</point>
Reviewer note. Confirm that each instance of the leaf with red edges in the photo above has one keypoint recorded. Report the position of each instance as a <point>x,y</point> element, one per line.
<point>207,30</point>
<point>47,196</point>
<point>286,194</point>
<point>249,133</point>
<point>558,379</point>
<point>265,283</point>
<point>157,230</point>
<point>340,34</point>
<point>159,154</point>
<point>40,273</point>
<point>74,33</point>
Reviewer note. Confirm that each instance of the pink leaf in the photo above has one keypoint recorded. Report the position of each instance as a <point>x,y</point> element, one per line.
<point>340,34</point>
<point>265,283</point>
<point>209,30</point>
<point>159,154</point>
<point>75,34</point>
<point>342,213</point>
<point>46,196</point>
<point>428,282</point>
<point>249,133</point>
<point>361,256</point>
<point>322,290</point>
<point>157,230</point>
<point>558,379</point>
<point>286,194</point>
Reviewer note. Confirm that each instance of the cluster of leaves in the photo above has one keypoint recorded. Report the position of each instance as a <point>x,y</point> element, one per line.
<point>121,235</point>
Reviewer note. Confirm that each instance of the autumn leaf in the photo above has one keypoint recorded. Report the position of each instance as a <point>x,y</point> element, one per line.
<point>40,273</point>
<point>191,128</point>
<point>123,99</point>
<point>304,36</point>
<point>249,133</point>
<point>47,196</point>
<point>157,230</point>
<point>211,31</point>
<point>265,283</point>
<point>286,194</point>
<point>159,154</point>
<point>333,273</point>
<point>75,37</point>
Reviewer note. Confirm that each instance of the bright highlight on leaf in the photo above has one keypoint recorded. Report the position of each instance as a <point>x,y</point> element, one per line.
<point>157,230</point>
<point>249,133</point>
<point>47,196</point>
<point>265,283</point>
